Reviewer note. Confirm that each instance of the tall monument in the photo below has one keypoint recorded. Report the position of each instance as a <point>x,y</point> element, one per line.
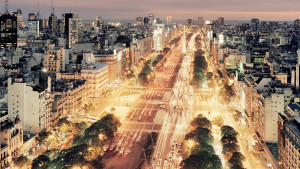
<point>184,41</point>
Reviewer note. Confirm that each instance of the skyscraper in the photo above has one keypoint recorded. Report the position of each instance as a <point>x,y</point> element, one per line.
<point>297,23</point>
<point>146,20</point>
<point>8,31</point>
<point>189,21</point>
<point>221,21</point>
<point>19,16</point>
<point>75,31</point>
<point>200,20</point>
<point>99,22</point>
<point>169,20</point>
<point>139,21</point>
<point>151,18</point>
<point>255,24</point>
<point>35,24</point>
<point>67,16</point>
<point>52,23</point>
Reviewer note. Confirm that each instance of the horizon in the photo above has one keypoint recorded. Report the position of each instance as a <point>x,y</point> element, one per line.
<point>210,10</point>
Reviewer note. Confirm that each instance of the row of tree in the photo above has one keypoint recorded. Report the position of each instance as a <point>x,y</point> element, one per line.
<point>147,75</point>
<point>189,37</point>
<point>231,148</point>
<point>226,93</point>
<point>197,149</point>
<point>86,150</point>
<point>175,41</point>
<point>200,65</point>
<point>198,44</point>
<point>148,149</point>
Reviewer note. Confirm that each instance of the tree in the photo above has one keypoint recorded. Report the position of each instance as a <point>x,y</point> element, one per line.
<point>22,162</point>
<point>201,135</point>
<point>237,167</point>
<point>43,136</point>
<point>202,160</point>
<point>89,107</point>
<point>226,93</point>
<point>229,149</point>
<point>237,159</point>
<point>143,79</point>
<point>201,122</point>
<point>40,162</point>
<point>209,75</point>
<point>237,115</point>
<point>218,121</point>
<point>52,154</point>
<point>228,130</point>
<point>229,139</point>
<point>203,147</point>
<point>80,127</point>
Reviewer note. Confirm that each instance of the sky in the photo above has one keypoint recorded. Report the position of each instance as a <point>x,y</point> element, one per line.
<point>279,10</point>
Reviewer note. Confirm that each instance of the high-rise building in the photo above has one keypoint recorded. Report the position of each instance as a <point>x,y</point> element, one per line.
<point>35,24</point>
<point>99,22</point>
<point>189,22</point>
<point>297,23</point>
<point>200,20</point>
<point>255,24</point>
<point>19,16</point>
<point>146,20</point>
<point>151,18</point>
<point>73,28</point>
<point>55,60</point>
<point>75,32</point>
<point>31,16</point>
<point>290,149</point>
<point>169,20</point>
<point>31,104</point>
<point>139,21</point>
<point>66,18</point>
<point>8,31</point>
<point>221,21</point>
<point>52,23</point>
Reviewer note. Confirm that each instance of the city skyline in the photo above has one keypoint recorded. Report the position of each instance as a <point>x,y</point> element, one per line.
<point>120,9</point>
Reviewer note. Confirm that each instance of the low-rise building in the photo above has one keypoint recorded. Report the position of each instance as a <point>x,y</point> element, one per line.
<point>11,137</point>
<point>97,76</point>
<point>291,147</point>
<point>31,104</point>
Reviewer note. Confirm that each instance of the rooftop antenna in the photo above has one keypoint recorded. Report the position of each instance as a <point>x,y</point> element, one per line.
<point>6,6</point>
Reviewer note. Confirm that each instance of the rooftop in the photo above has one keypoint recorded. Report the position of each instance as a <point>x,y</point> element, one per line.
<point>94,66</point>
<point>295,126</point>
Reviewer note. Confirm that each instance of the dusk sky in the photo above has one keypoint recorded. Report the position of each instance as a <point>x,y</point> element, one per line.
<point>179,9</point>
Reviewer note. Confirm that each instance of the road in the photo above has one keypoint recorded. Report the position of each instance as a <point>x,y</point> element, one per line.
<point>145,115</point>
<point>179,114</point>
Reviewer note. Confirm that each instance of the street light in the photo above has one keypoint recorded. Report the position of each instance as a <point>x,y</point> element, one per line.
<point>101,136</point>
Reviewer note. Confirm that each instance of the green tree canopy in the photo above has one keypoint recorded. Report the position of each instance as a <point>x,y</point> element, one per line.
<point>202,160</point>
<point>229,139</point>
<point>201,135</point>
<point>22,161</point>
<point>237,159</point>
<point>201,122</point>
<point>228,131</point>
<point>40,162</point>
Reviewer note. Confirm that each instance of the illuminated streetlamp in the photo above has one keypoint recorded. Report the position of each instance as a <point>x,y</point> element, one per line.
<point>101,136</point>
